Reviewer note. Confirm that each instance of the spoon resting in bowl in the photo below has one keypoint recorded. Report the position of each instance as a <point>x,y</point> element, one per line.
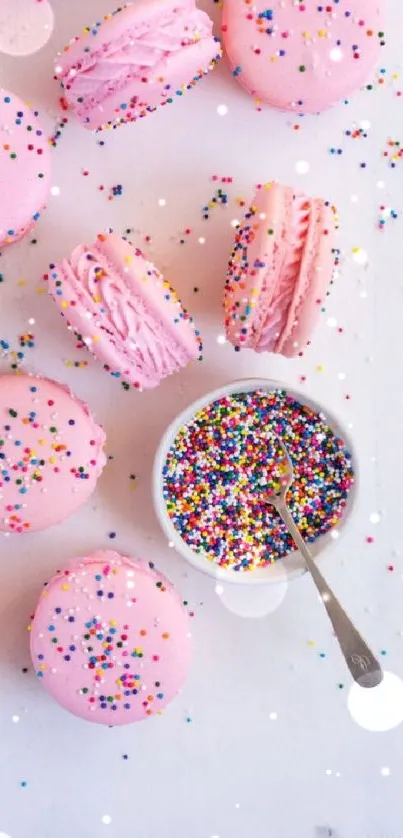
<point>361,662</point>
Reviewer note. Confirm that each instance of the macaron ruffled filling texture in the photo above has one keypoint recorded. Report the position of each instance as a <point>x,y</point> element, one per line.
<point>272,314</point>
<point>119,324</point>
<point>279,272</point>
<point>139,54</point>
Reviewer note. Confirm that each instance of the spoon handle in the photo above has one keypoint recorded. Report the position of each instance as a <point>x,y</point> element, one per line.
<point>362,664</point>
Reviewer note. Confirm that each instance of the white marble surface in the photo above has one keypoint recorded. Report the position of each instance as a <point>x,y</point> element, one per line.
<point>270,750</point>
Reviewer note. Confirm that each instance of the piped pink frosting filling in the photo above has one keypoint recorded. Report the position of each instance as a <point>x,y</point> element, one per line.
<point>270,323</point>
<point>129,317</point>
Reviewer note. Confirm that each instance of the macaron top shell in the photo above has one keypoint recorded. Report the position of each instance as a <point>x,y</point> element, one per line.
<point>110,639</point>
<point>24,168</point>
<point>302,55</point>
<point>51,453</point>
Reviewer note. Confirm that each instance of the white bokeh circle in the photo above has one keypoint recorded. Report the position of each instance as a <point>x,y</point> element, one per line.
<point>253,602</point>
<point>378,709</point>
<point>25,26</point>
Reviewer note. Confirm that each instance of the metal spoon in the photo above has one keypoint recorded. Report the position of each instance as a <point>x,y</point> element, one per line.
<point>361,662</point>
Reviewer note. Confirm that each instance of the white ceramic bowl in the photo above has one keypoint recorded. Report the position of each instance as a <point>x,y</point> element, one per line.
<point>293,565</point>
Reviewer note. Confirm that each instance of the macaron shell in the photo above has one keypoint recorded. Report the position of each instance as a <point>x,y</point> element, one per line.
<point>180,73</point>
<point>245,306</point>
<point>314,279</point>
<point>24,168</point>
<point>302,56</point>
<point>110,639</point>
<point>281,242</point>
<point>123,309</point>
<point>130,16</point>
<point>51,453</point>
<point>156,293</point>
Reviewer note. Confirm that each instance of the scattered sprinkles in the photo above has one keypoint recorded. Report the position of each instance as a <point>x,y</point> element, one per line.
<point>219,198</point>
<point>393,152</point>
<point>385,215</point>
<point>16,358</point>
<point>219,473</point>
<point>115,191</point>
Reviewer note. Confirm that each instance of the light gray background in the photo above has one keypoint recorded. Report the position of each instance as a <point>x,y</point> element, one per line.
<point>231,771</point>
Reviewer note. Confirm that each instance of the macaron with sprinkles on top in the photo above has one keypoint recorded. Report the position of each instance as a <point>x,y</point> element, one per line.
<point>51,453</point>
<point>25,168</point>
<point>303,55</point>
<point>110,639</point>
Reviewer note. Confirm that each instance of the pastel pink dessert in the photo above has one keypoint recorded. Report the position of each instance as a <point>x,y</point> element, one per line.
<point>280,271</point>
<point>142,55</point>
<point>51,453</point>
<point>24,168</point>
<point>110,639</point>
<point>124,311</point>
<point>300,55</point>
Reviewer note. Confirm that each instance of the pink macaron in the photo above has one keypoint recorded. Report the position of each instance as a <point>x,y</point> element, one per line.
<point>280,271</point>
<point>24,168</point>
<point>300,55</point>
<point>51,453</point>
<point>110,639</point>
<point>142,55</point>
<point>123,309</point>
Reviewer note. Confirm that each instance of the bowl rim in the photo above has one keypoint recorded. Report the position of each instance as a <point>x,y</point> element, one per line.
<point>293,564</point>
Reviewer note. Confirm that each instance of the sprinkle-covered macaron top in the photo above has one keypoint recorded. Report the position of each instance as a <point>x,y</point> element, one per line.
<point>24,167</point>
<point>51,453</point>
<point>223,465</point>
<point>110,639</point>
<point>302,55</point>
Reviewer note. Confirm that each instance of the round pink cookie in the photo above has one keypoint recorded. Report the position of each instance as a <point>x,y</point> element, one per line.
<point>110,639</point>
<point>280,271</point>
<point>51,453</point>
<point>138,57</point>
<point>24,168</point>
<point>302,55</point>
<point>123,309</point>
